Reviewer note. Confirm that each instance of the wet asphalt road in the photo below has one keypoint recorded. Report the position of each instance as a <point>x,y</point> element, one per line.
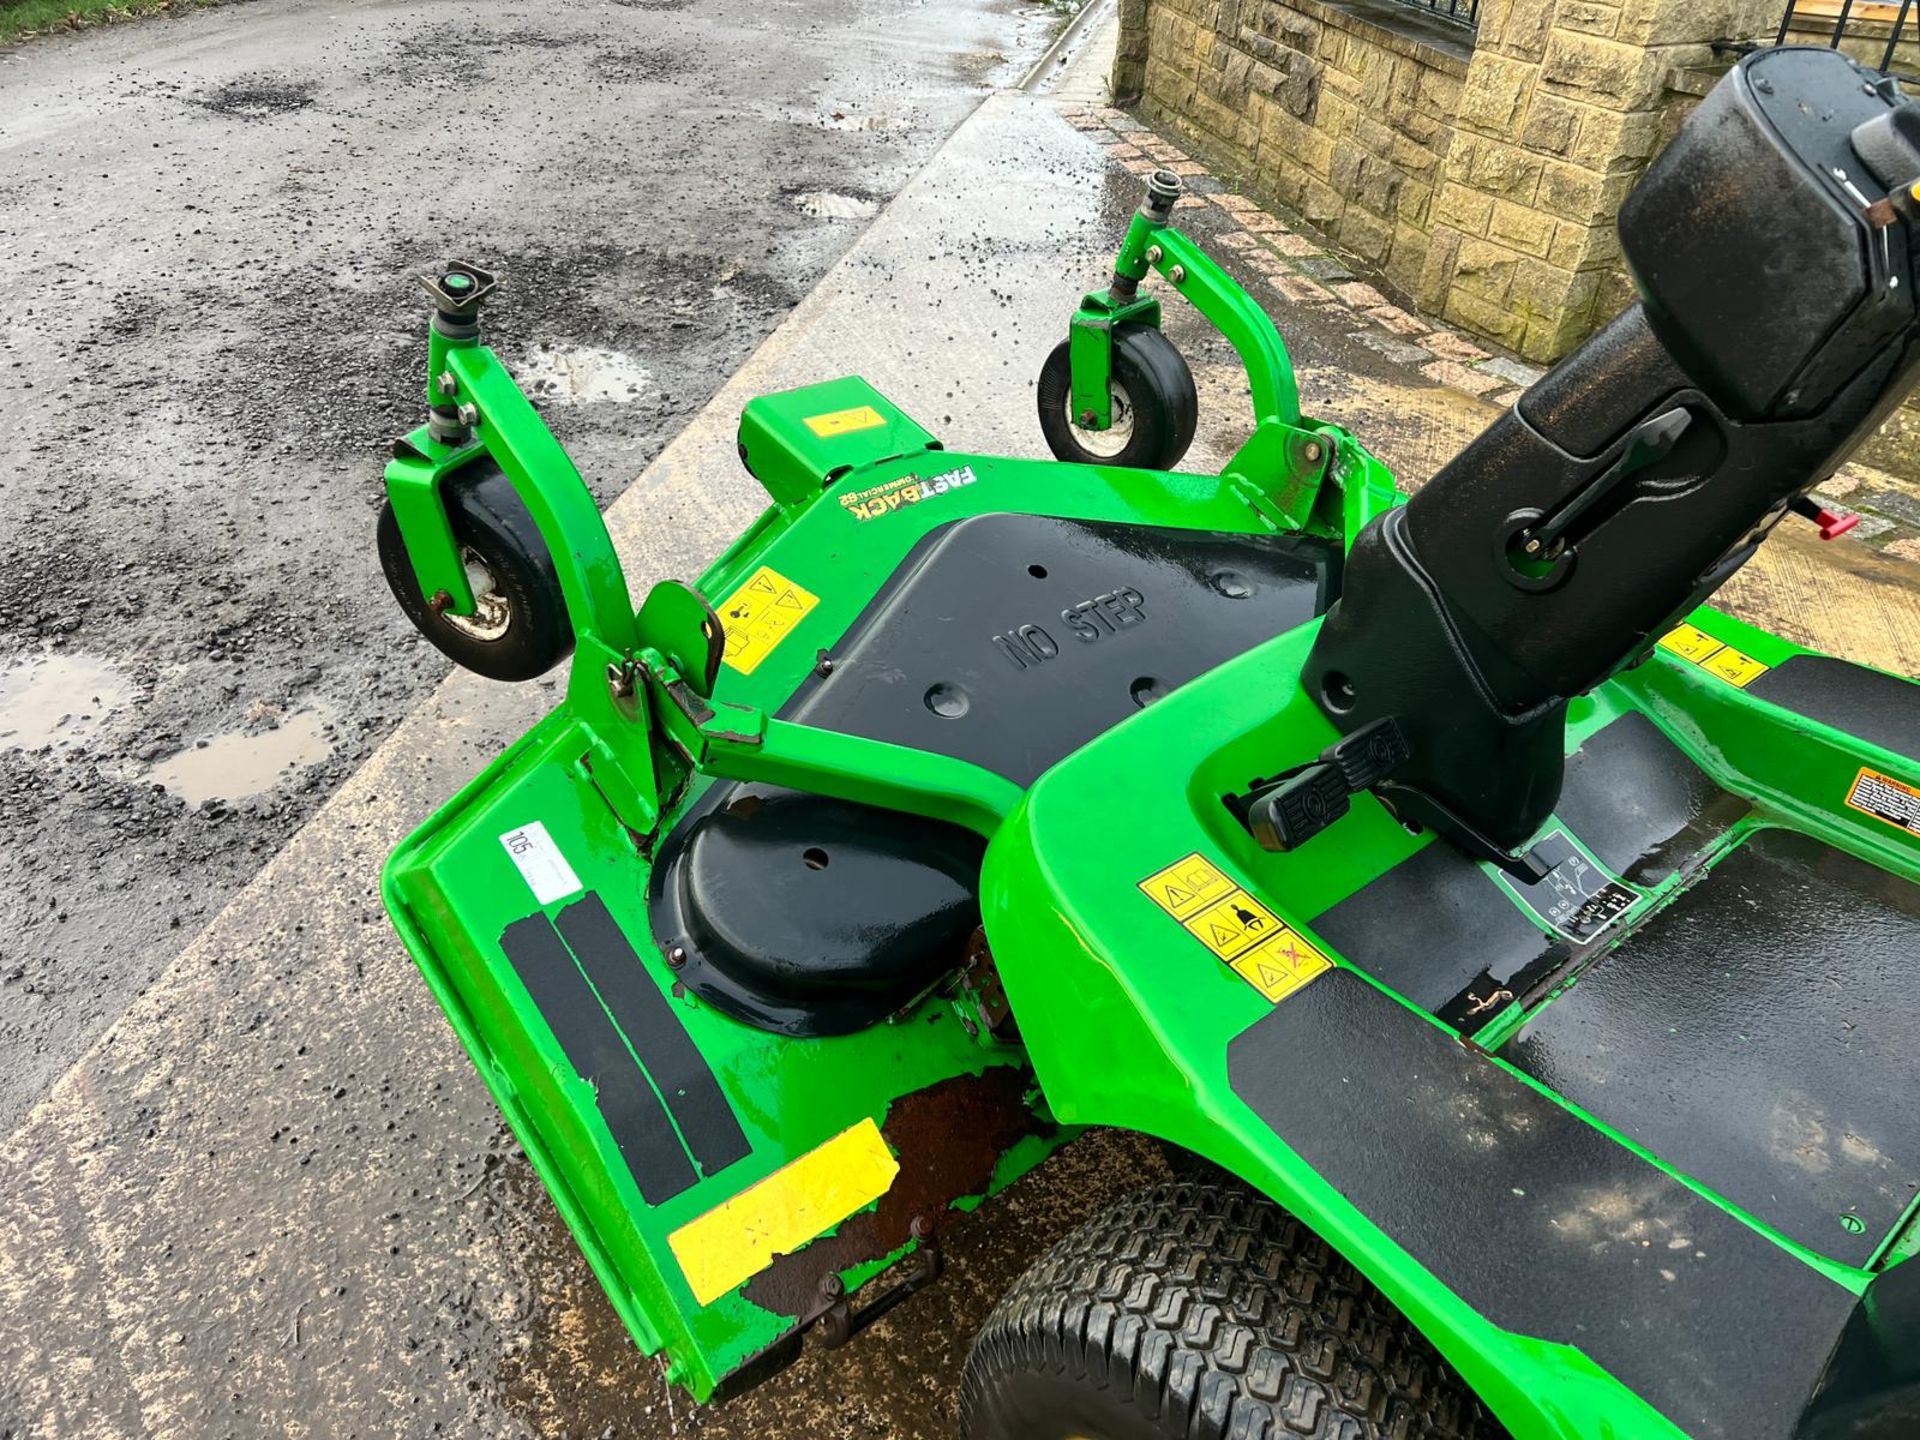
<point>208,333</point>
<point>274,1198</point>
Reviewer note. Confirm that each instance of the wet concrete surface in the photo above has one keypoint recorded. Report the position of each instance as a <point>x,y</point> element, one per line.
<point>274,1198</point>
<point>209,333</point>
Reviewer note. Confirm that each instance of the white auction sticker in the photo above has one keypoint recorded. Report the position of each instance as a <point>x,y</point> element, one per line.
<point>544,868</point>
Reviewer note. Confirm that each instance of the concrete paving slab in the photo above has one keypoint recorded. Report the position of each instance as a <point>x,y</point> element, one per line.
<point>275,1200</point>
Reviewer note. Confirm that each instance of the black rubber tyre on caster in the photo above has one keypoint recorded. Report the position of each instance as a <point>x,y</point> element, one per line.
<point>519,628</point>
<point>1200,1311</point>
<point>1155,407</point>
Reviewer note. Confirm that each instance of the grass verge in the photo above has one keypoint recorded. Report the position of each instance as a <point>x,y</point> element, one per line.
<point>20,19</point>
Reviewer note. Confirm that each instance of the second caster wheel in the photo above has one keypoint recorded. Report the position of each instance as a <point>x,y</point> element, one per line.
<point>1155,407</point>
<point>519,626</point>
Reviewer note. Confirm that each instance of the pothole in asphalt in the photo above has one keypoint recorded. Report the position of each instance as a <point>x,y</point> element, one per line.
<point>245,762</point>
<point>577,376</point>
<point>635,64</point>
<point>258,98</point>
<point>841,121</point>
<point>57,700</point>
<point>831,205</point>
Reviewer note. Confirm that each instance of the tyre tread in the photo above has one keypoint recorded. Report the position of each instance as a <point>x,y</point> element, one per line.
<point>1223,1318</point>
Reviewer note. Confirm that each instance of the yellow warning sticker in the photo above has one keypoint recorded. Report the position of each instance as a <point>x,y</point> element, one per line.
<point>1886,799</point>
<point>1731,665</point>
<point>735,1241</point>
<point>1186,887</point>
<point>1238,923</point>
<point>1237,928</point>
<point>1689,643</point>
<point>845,422</point>
<point>1280,965</point>
<point>760,614</point>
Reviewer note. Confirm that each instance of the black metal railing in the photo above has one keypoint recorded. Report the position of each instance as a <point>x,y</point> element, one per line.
<point>1461,12</point>
<point>1857,26</point>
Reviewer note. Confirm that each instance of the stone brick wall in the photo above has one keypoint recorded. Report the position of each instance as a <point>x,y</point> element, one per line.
<point>1340,117</point>
<point>1481,174</point>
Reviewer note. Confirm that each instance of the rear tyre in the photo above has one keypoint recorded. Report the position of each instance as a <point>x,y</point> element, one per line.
<point>519,628</point>
<point>1155,407</point>
<point>1201,1311</point>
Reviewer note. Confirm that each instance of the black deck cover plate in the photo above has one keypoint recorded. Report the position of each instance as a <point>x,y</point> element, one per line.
<point>1881,709</point>
<point>1013,640</point>
<point>1006,640</point>
<point>1538,1220</point>
<point>1758,1034</point>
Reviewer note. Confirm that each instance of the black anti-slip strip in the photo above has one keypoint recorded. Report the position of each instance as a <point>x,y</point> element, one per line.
<point>1539,1221</point>
<point>706,1120</point>
<point>627,1103</point>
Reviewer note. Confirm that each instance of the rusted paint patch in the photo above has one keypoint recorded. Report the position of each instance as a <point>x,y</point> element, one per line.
<point>948,1137</point>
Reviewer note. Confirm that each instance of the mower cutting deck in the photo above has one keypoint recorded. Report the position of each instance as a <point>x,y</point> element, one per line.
<point>1523,947</point>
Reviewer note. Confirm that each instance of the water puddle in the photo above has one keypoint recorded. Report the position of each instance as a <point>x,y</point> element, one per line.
<point>243,763</point>
<point>838,120</point>
<point>828,205</point>
<point>580,375</point>
<point>57,700</point>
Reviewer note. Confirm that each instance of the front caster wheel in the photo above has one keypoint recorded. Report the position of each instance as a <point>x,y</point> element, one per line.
<point>519,627</point>
<point>1155,407</point>
<point>1197,1310</point>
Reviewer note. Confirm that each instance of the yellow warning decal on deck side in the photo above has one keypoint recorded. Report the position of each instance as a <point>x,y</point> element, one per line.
<point>1280,965</point>
<point>1229,926</point>
<point>1733,666</point>
<point>1886,799</point>
<point>845,422</point>
<point>734,1241</point>
<point>759,615</point>
<point>1237,928</point>
<point>1186,887</point>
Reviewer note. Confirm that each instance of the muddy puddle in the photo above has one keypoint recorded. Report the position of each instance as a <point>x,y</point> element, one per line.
<point>831,205</point>
<point>246,762</point>
<point>57,700</point>
<point>582,374</point>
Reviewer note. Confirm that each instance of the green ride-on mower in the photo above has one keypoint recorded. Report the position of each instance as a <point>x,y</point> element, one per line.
<point>1519,960</point>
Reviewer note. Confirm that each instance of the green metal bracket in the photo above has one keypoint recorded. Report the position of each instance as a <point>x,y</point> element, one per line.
<point>413,477</point>
<point>475,408</point>
<point>1090,352</point>
<point>796,442</point>
<point>737,742</point>
<point>1285,461</point>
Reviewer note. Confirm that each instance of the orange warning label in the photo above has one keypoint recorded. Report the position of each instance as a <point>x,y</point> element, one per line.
<point>760,614</point>
<point>1886,799</point>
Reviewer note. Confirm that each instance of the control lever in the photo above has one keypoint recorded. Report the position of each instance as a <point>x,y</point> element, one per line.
<point>1652,440</point>
<point>1832,523</point>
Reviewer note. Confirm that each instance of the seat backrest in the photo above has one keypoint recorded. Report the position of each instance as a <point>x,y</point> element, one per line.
<point>1773,247</point>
